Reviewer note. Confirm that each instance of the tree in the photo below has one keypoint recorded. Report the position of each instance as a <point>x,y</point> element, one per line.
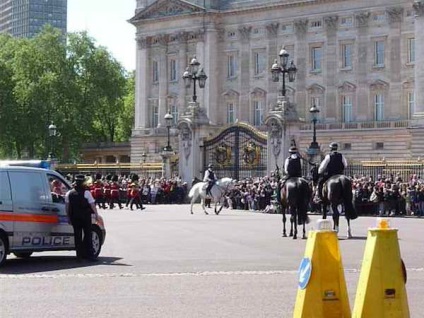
<point>75,84</point>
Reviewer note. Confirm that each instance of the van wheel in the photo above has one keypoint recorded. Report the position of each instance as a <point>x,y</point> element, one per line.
<point>97,239</point>
<point>3,249</point>
<point>23,254</point>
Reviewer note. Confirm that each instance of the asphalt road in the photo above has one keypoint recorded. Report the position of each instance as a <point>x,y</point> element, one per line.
<point>164,262</point>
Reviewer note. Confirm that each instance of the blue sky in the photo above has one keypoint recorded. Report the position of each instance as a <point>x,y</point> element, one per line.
<point>106,22</point>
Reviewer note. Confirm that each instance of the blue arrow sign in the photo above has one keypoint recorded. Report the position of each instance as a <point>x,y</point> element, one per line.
<point>305,271</point>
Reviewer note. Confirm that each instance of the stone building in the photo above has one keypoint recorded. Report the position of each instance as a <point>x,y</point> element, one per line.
<point>356,61</point>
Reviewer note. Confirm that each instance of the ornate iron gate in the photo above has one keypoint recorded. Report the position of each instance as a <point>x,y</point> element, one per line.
<point>239,152</point>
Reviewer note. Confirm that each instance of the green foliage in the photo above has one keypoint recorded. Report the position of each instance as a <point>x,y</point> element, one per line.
<point>75,84</point>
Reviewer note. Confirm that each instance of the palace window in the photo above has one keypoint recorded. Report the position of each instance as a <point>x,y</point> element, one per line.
<point>346,21</point>
<point>230,113</point>
<point>347,106</point>
<point>155,71</point>
<point>316,59</point>
<point>379,53</point>
<point>231,66</point>
<point>411,50</point>
<point>258,115</point>
<point>379,107</point>
<point>347,50</point>
<point>175,114</point>
<point>287,28</point>
<point>316,24</point>
<point>411,102</point>
<point>154,113</point>
<point>259,61</point>
<point>173,70</point>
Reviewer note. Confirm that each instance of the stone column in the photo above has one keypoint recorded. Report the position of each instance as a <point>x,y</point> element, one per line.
<point>182,63</point>
<point>244,68</point>
<point>210,66</point>
<point>331,105</point>
<point>302,62</point>
<point>419,59</point>
<point>394,15</point>
<point>273,88</point>
<point>163,80</point>
<point>142,82</point>
<point>201,57</point>
<point>363,111</point>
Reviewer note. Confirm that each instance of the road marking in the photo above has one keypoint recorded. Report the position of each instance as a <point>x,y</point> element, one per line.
<point>193,274</point>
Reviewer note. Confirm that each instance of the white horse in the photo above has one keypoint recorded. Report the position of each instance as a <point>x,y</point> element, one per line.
<point>218,191</point>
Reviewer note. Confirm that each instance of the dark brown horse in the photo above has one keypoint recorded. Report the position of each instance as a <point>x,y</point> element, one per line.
<point>337,191</point>
<point>295,197</point>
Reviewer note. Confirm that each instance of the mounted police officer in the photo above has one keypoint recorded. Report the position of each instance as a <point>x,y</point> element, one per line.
<point>210,177</point>
<point>293,164</point>
<point>333,164</point>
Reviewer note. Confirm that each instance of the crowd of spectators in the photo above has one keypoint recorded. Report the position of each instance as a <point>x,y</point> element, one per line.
<point>383,195</point>
<point>389,195</point>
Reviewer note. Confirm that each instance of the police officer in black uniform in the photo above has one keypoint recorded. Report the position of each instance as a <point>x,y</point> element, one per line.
<point>80,204</point>
<point>333,164</point>
<point>293,164</point>
<point>210,178</point>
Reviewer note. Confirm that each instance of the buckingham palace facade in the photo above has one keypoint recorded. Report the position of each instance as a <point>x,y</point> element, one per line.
<point>358,62</point>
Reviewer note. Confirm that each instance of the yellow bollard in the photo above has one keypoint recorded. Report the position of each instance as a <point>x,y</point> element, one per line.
<point>322,288</point>
<point>381,289</point>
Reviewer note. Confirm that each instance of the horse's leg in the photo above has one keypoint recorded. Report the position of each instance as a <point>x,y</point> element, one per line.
<point>294,214</point>
<point>323,210</point>
<point>336,217</point>
<point>203,206</point>
<point>349,232</point>
<point>291,223</point>
<point>191,206</point>
<point>283,210</point>
<point>304,231</point>
<point>222,202</point>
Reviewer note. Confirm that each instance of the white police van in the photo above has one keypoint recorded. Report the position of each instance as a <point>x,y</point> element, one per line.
<point>32,211</point>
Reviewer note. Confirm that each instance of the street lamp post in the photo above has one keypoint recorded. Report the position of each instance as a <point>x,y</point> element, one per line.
<point>194,73</point>
<point>52,135</point>
<point>283,68</point>
<point>314,144</point>
<point>143,161</point>
<point>168,118</point>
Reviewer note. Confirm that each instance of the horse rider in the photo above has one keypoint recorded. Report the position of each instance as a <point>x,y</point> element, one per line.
<point>210,178</point>
<point>333,164</point>
<point>292,165</point>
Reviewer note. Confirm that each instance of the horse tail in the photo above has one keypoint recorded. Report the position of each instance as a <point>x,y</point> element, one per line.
<point>350,210</point>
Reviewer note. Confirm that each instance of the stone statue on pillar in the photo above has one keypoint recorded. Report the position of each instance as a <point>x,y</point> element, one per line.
<point>282,122</point>
<point>193,127</point>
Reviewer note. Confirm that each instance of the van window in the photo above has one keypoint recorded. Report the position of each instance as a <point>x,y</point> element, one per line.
<point>4,186</point>
<point>58,189</point>
<point>27,186</point>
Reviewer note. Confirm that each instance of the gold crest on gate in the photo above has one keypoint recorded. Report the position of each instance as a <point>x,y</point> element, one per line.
<point>252,153</point>
<point>223,154</point>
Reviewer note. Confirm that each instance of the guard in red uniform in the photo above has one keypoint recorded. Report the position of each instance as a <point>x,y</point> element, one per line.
<point>114,192</point>
<point>98,191</point>
<point>135,196</point>
<point>106,190</point>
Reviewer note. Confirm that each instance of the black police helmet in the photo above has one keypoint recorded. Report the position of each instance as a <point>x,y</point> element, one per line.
<point>333,146</point>
<point>293,149</point>
<point>80,178</point>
